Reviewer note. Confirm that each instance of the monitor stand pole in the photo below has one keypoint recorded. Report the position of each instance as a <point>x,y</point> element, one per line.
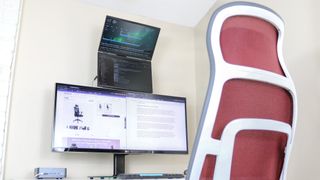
<point>118,164</point>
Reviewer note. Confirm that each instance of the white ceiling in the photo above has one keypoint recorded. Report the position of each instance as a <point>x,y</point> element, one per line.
<point>181,12</point>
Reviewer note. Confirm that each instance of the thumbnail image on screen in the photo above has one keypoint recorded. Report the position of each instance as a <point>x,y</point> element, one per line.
<point>128,38</point>
<point>105,120</point>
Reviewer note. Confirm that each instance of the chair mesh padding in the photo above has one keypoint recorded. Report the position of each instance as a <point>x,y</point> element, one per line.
<point>258,155</point>
<point>250,41</point>
<point>251,99</point>
<point>208,167</point>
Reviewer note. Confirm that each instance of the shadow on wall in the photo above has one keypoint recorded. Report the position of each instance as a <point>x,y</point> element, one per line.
<point>306,77</point>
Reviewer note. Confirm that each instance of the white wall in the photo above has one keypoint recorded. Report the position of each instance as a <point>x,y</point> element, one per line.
<point>9,23</point>
<point>58,43</point>
<point>302,56</point>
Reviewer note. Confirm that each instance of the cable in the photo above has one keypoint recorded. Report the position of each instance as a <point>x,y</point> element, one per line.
<point>94,79</point>
<point>37,175</point>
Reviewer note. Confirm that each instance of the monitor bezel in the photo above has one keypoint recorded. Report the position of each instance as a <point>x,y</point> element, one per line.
<point>118,151</point>
<point>149,58</point>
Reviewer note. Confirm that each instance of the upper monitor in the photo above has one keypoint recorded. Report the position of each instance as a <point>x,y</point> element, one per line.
<point>127,38</point>
<point>105,120</point>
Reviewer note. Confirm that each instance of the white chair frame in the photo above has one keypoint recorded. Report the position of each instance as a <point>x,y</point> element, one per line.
<point>221,72</point>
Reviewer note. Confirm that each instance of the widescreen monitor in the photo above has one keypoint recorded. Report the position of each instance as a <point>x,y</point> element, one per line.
<point>90,119</point>
<point>128,38</point>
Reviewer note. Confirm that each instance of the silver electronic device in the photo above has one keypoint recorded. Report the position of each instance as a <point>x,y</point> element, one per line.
<point>50,173</point>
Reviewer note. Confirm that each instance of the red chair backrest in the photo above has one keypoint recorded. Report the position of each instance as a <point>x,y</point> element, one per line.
<point>252,42</point>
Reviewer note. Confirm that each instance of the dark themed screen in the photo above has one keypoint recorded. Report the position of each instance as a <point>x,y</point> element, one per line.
<point>124,73</point>
<point>128,38</point>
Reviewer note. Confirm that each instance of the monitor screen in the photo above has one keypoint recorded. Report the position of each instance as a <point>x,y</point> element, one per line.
<point>106,120</point>
<point>127,38</point>
<point>124,73</point>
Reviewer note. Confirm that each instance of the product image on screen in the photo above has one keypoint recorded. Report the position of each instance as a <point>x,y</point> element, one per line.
<point>106,120</point>
<point>128,38</point>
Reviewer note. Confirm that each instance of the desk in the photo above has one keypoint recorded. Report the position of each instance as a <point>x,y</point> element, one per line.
<point>83,179</point>
<point>138,179</point>
<point>141,176</point>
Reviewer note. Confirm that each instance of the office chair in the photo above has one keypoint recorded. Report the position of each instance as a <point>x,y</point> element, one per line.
<point>250,111</point>
<point>77,113</point>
